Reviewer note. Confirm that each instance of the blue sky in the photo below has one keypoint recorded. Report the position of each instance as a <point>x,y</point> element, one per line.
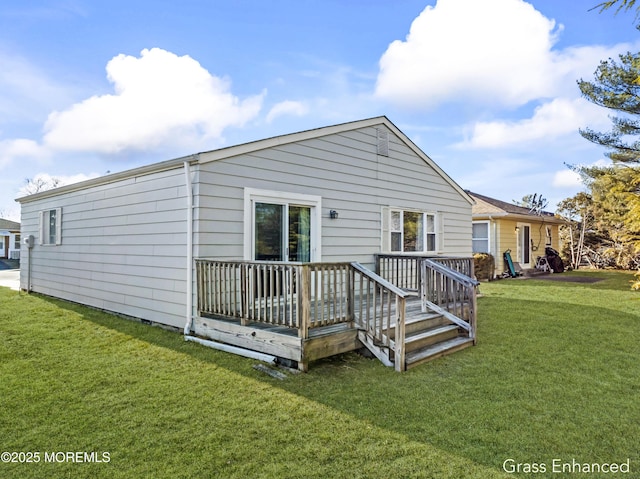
<point>487,88</point>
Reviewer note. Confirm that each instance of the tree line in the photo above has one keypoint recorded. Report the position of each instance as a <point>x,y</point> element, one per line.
<point>603,222</point>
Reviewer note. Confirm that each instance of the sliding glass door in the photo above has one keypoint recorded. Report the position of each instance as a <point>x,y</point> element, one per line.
<point>282,232</point>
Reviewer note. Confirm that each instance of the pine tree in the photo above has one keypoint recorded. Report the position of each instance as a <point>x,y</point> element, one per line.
<point>617,86</point>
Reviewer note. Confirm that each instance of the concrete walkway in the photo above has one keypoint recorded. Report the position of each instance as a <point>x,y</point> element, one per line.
<point>10,278</point>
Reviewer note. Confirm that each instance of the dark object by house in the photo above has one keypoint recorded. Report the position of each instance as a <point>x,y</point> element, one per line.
<point>554,260</point>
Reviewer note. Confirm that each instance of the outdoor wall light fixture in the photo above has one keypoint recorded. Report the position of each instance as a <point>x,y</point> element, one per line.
<point>333,214</point>
<point>517,229</point>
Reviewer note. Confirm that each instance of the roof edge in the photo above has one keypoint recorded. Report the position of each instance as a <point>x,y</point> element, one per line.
<point>514,216</point>
<point>111,178</point>
<point>245,148</point>
<point>418,151</point>
<point>250,147</point>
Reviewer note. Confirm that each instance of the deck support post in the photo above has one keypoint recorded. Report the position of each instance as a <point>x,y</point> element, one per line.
<point>305,316</point>
<point>473,317</point>
<point>305,292</point>
<point>245,294</point>
<point>399,356</point>
<point>351,286</point>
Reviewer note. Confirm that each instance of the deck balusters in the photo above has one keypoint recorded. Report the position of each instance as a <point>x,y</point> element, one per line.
<point>304,296</point>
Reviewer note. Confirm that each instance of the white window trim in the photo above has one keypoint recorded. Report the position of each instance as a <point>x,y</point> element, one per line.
<point>488,223</point>
<point>44,238</point>
<point>253,195</point>
<point>521,247</point>
<point>436,222</point>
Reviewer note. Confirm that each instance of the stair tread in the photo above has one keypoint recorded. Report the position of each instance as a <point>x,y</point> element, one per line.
<point>437,348</point>
<point>420,316</point>
<point>431,332</point>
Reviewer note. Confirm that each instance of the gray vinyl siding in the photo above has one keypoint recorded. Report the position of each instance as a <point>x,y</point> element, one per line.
<point>123,247</point>
<point>124,238</point>
<point>345,170</point>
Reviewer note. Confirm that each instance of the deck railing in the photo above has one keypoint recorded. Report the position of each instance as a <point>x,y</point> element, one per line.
<point>379,311</point>
<point>304,296</point>
<point>295,295</point>
<point>404,271</point>
<point>450,292</point>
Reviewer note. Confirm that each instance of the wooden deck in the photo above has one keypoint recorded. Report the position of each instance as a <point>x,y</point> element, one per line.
<point>305,312</point>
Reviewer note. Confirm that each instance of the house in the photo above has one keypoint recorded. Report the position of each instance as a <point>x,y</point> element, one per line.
<point>270,237</point>
<point>9,239</point>
<point>499,226</point>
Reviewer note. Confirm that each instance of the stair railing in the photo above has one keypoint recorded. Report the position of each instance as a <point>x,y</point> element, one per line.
<point>450,293</point>
<point>379,312</point>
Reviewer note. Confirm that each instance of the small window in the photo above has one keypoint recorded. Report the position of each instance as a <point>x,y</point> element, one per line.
<point>548,236</point>
<point>51,227</point>
<point>412,231</point>
<point>480,237</point>
<point>16,242</point>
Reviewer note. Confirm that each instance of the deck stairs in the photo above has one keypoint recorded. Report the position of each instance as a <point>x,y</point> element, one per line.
<point>428,335</point>
<point>415,310</point>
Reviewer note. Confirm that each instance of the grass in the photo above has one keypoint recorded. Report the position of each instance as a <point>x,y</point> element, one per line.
<point>555,375</point>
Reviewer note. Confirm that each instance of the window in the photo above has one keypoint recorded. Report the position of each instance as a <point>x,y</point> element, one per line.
<point>16,242</point>
<point>51,227</point>
<point>281,226</point>
<point>282,232</point>
<point>480,237</point>
<point>412,231</point>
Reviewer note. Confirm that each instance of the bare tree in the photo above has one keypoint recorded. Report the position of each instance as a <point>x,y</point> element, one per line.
<point>40,183</point>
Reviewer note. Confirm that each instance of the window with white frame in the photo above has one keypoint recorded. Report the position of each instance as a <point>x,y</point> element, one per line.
<point>480,237</point>
<point>51,226</point>
<point>281,226</point>
<point>412,231</point>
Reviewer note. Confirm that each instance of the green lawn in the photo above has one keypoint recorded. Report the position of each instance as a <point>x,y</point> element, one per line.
<point>555,375</point>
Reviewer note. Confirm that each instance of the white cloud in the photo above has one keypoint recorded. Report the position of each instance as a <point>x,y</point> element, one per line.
<point>160,99</point>
<point>556,118</point>
<point>287,107</point>
<point>488,52</point>
<point>568,178</point>
<point>20,148</point>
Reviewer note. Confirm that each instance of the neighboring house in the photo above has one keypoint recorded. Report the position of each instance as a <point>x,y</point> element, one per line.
<point>9,239</point>
<point>499,226</point>
<point>126,242</point>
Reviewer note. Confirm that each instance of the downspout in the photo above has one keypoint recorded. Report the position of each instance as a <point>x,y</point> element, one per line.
<point>189,312</point>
